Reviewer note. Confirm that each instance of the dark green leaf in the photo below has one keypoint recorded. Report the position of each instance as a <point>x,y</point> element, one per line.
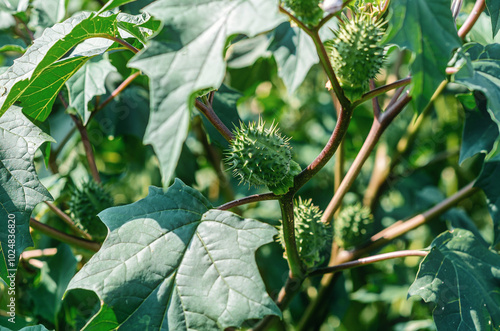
<point>462,276</point>
<point>493,9</point>
<point>50,47</point>
<point>181,61</point>
<point>488,181</point>
<point>480,132</point>
<point>105,319</point>
<point>171,262</point>
<point>20,189</point>
<point>86,83</point>
<point>113,4</point>
<point>482,74</point>
<point>55,275</point>
<point>413,25</point>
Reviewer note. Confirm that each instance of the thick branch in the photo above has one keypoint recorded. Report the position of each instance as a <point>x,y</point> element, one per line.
<point>63,237</point>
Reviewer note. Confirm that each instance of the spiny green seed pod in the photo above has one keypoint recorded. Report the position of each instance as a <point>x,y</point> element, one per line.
<point>312,235</point>
<point>353,226</point>
<point>307,11</point>
<point>85,204</point>
<point>260,156</point>
<point>356,54</point>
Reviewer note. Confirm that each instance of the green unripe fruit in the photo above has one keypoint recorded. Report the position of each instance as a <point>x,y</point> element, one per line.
<point>312,236</point>
<point>85,204</point>
<point>353,226</point>
<point>260,156</point>
<point>356,54</point>
<point>307,11</point>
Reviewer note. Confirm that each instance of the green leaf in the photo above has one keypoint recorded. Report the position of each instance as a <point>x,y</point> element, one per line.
<point>171,262</point>
<point>482,73</point>
<point>461,276</point>
<point>113,4</point>
<point>39,327</point>
<point>14,6</point>
<point>493,9</point>
<point>480,132</point>
<point>50,47</point>
<point>488,182</point>
<point>140,27</point>
<point>413,25</point>
<point>86,83</point>
<point>20,189</point>
<point>46,13</point>
<point>180,61</point>
<point>295,54</point>
<point>38,98</point>
<point>55,275</point>
<point>105,319</point>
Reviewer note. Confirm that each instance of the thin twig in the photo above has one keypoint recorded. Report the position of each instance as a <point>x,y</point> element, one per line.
<point>63,216</point>
<point>249,199</point>
<point>375,103</point>
<point>381,90</point>
<point>472,19</point>
<point>378,127</point>
<point>210,114</point>
<point>366,260</point>
<point>120,41</point>
<point>89,152</point>
<point>63,237</point>
<point>291,250</point>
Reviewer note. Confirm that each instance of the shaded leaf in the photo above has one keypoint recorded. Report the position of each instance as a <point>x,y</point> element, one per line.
<point>488,182</point>
<point>20,189</point>
<point>169,261</point>
<point>86,83</point>
<point>105,319</point>
<point>493,9</point>
<point>138,26</point>
<point>50,47</point>
<point>55,275</point>
<point>482,73</point>
<point>462,276</point>
<point>480,132</point>
<point>113,4</point>
<point>413,25</point>
<point>191,60</point>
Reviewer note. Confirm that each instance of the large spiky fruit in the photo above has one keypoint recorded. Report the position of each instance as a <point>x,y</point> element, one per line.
<point>86,202</point>
<point>356,54</point>
<point>262,156</point>
<point>312,236</point>
<point>353,226</point>
<point>307,11</point>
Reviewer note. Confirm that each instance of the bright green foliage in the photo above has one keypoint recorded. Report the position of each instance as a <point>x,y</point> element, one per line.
<point>356,54</point>
<point>461,275</point>
<point>171,262</point>
<point>86,202</point>
<point>260,156</point>
<point>312,235</point>
<point>307,11</point>
<point>353,226</point>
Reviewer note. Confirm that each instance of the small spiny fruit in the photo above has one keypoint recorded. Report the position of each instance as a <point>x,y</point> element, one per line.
<point>86,202</point>
<point>307,11</point>
<point>355,52</point>
<point>353,226</point>
<point>260,156</point>
<point>312,236</point>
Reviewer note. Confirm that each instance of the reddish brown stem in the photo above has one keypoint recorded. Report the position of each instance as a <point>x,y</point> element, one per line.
<point>89,152</point>
<point>249,199</point>
<point>63,216</point>
<point>210,114</point>
<point>472,19</point>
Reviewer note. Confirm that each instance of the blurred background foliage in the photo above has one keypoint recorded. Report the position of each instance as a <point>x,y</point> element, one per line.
<point>368,298</point>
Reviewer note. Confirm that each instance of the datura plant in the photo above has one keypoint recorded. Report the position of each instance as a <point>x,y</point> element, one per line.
<point>181,165</point>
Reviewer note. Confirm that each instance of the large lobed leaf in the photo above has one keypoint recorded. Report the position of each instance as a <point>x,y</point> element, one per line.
<point>413,25</point>
<point>462,276</point>
<point>20,189</point>
<point>170,262</point>
<point>180,61</point>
